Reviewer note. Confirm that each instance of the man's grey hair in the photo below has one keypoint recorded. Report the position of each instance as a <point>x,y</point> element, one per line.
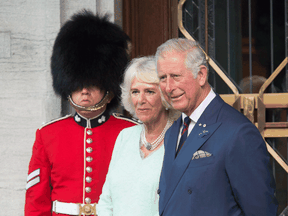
<point>195,57</point>
<point>144,69</point>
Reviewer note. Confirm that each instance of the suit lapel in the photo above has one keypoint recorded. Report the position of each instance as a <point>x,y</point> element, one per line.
<point>198,136</point>
<point>172,141</point>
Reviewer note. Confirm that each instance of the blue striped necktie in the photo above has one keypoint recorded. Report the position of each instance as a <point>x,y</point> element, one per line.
<point>184,134</point>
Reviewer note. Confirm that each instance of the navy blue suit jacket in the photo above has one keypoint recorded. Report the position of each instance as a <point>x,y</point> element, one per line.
<point>235,180</point>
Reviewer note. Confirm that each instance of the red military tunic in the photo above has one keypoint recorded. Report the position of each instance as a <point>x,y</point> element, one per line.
<point>70,161</point>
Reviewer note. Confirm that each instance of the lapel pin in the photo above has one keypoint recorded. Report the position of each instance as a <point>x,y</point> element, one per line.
<point>204,125</point>
<point>200,125</point>
<point>204,133</point>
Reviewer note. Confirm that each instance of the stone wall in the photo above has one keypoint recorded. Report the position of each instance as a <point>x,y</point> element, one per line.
<point>27,33</point>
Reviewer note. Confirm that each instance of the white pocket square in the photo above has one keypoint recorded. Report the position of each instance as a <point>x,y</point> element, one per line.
<point>200,154</point>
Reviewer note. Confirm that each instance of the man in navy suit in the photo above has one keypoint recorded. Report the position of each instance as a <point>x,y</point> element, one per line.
<point>216,162</point>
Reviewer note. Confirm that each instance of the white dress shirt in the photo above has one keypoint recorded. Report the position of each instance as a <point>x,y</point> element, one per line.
<point>197,113</point>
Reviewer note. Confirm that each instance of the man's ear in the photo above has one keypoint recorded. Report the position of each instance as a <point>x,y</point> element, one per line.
<point>111,96</point>
<point>202,75</point>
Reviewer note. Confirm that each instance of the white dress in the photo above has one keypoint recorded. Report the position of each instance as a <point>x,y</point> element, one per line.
<point>131,184</point>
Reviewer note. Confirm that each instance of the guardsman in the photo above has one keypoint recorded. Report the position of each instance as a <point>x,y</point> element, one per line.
<point>71,155</point>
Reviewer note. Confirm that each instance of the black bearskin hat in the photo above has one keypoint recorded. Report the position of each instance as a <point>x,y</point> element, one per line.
<point>89,51</point>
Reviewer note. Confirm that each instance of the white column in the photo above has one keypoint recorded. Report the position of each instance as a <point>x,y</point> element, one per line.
<point>27,33</point>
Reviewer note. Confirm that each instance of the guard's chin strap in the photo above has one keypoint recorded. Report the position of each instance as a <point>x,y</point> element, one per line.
<point>108,97</point>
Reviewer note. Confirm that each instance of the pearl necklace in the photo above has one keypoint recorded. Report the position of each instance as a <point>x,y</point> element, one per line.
<point>157,141</point>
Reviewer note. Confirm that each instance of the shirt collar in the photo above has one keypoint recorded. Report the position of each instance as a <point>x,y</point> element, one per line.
<point>92,122</point>
<point>200,109</point>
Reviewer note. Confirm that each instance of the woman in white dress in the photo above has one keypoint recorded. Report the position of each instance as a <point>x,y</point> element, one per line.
<point>132,181</point>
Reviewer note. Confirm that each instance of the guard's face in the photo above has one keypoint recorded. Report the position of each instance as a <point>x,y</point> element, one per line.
<point>178,84</point>
<point>87,96</point>
<point>146,98</point>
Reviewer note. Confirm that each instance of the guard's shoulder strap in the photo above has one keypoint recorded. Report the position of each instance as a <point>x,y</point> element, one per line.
<point>54,120</point>
<point>121,116</point>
